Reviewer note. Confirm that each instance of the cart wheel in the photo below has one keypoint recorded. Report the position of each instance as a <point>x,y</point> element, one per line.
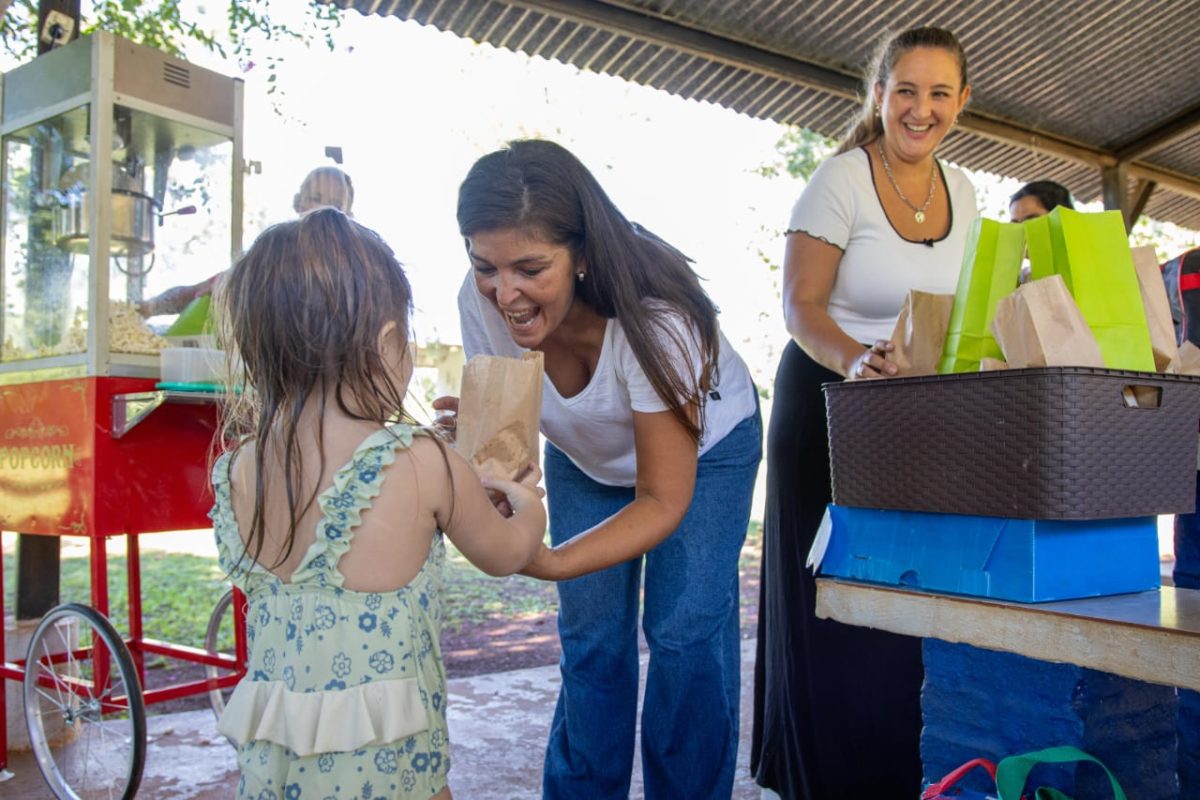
<point>84,707</point>
<point>220,632</point>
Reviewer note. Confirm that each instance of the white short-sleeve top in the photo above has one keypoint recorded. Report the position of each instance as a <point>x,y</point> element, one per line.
<point>594,428</point>
<point>878,267</point>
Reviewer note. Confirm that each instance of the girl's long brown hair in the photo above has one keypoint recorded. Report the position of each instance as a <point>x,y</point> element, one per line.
<point>300,315</point>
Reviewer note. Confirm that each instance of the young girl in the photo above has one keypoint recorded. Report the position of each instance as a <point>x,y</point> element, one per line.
<point>329,516</point>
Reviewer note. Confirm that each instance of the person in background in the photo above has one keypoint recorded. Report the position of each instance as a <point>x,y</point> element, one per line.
<point>837,708</point>
<point>322,187</point>
<point>1037,199</point>
<point>329,514</point>
<point>653,443</point>
<point>325,186</point>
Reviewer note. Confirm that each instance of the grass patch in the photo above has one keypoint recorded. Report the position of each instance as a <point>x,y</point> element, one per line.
<point>179,591</point>
<point>472,596</point>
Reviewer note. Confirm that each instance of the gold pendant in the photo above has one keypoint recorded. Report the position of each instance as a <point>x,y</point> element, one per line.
<point>919,217</point>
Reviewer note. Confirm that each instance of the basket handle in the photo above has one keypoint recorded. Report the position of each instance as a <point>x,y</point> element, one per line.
<point>1141,396</point>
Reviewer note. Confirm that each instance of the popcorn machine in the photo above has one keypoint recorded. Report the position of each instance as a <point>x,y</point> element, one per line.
<point>121,176</point>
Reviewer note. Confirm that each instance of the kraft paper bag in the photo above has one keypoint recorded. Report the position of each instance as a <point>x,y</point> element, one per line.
<point>991,268</point>
<point>920,332</point>
<point>1091,252</point>
<point>499,413</point>
<point>1158,309</point>
<point>1039,325</point>
<point>1189,359</point>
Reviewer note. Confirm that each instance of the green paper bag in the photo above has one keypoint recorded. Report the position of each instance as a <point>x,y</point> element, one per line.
<point>1091,252</point>
<point>1041,256</point>
<point>990,271</point>
<point>195,319</point>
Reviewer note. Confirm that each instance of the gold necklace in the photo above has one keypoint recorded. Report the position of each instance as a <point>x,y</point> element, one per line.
<point>918,213</point>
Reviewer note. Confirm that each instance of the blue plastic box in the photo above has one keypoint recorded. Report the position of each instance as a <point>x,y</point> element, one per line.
<point>1007,559</point>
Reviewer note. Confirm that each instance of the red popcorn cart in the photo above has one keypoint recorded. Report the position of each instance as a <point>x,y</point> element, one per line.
<point>122,176</point>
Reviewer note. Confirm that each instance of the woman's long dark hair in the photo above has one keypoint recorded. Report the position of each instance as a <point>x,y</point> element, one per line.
<point>303,309</point>
<point>868,126</point>
<point>541,188</point>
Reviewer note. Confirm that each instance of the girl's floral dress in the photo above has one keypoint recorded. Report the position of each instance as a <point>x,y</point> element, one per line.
<point>345,692</point>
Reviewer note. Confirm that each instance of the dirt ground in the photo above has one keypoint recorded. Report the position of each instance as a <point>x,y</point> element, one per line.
<point>500,643</point>
<point>495,642</point>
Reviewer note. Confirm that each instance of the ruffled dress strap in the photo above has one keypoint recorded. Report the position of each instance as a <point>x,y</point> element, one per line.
<point>231,551</point>
<point>354,487</point>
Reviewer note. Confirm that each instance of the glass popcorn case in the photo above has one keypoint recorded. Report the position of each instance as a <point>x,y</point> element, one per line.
<point>121,178</point>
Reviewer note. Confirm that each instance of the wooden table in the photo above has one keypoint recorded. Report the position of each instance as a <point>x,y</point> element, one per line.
<point>1149,636</point>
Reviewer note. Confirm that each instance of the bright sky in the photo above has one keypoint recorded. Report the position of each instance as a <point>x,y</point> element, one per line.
<point>413,108</point>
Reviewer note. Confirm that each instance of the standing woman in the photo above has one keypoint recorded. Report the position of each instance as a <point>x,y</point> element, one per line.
<point>654,439</point>
<point>837,708</point>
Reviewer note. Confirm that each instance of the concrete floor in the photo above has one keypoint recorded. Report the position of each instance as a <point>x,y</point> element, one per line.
<point>188,760</point>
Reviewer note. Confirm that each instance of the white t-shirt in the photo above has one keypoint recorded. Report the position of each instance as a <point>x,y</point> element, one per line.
<point>878,267</point>
<point>595,427</point>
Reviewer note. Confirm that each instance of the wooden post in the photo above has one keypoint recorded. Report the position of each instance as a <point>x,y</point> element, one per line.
<point>38,556</point>
<point>1116,194</point>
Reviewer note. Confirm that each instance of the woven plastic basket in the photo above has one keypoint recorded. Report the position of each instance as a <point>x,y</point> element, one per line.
<point>1050,443</point>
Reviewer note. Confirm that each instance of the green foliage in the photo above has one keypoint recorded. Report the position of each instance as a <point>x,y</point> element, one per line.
<point>472,596</point>
<point>802,151</point>
<point>162,24</point>
<point>180,590</point>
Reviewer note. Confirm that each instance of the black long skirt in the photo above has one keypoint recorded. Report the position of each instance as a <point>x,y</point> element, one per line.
<point>837,711</point>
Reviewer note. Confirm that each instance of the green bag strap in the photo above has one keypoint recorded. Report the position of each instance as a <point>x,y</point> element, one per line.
<point>1049,793</point>
<point>1012,772</point>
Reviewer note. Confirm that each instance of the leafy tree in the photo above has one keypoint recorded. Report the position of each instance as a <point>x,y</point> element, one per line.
<point>252,26</point>
<point>802,150</point>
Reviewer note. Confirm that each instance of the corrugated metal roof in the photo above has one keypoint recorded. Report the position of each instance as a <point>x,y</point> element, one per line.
<point>1076,80</point>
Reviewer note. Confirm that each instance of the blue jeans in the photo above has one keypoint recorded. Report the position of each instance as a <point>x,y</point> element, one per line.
<point>690,618</point>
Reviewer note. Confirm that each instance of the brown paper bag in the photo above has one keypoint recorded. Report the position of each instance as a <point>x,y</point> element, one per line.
<point>1158,309</point>
<point>1189,359</point>
<point>1039,325</point>
<point>991,364</point>
<point>920,332</point>
<point>499,411</point>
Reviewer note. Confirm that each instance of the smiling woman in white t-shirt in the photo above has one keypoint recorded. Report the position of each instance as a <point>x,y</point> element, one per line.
<point>654,439</point>
<point>837,708</point>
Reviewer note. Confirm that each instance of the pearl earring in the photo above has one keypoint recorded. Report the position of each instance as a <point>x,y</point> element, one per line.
<point>579,276</point>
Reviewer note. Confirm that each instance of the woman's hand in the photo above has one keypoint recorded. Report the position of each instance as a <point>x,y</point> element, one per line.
<point>447,421</point>
<point>874,363</point>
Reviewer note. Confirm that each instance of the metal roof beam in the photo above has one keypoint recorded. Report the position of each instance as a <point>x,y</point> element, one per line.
<point>666,33</point>
<point>1166,179</point>
<point>1138,200</point>
<point>662,31</point>
<point>1171,130</point>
